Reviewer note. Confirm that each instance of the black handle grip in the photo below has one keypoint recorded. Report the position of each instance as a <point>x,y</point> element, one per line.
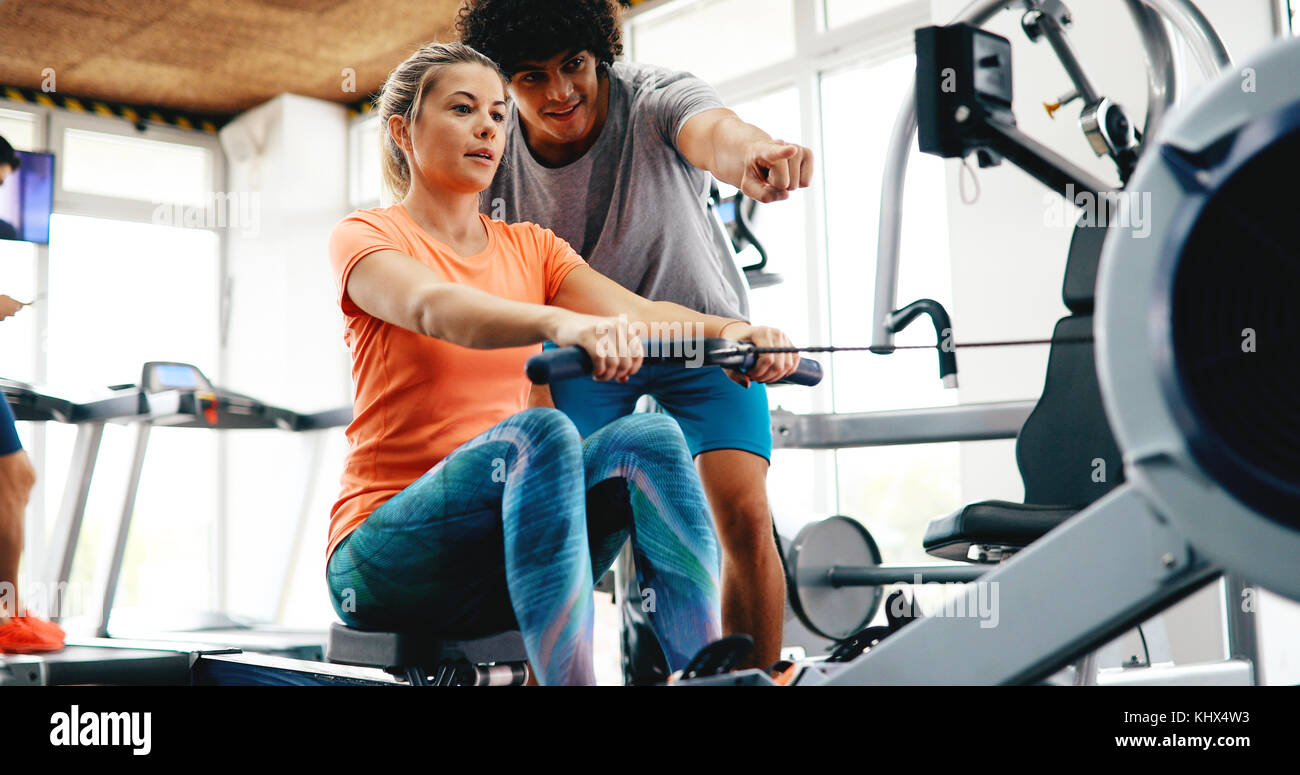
<point>568,362</point>
<point>808,372</point>
<point>561,363</point>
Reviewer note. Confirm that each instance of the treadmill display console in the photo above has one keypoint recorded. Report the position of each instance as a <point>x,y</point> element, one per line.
<point>158,376</point>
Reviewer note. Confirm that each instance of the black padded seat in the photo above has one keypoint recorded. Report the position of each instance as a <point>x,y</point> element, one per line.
<point>399,652</point>
<point>1065,445</point>
<point>1079,287</point>
<point>991,523</point>
<point>1065,450</point>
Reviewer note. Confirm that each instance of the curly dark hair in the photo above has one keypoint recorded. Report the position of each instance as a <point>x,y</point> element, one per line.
<point>513,31</point>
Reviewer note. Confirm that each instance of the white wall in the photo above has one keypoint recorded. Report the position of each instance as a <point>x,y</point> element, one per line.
<point>1008,259</point>
<point>284,345</point>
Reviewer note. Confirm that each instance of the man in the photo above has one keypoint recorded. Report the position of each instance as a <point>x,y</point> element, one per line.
<point>616,159</point>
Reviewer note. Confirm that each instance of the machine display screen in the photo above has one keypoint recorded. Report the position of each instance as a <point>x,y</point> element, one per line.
<point>173,376</point>
<point>992,55</point>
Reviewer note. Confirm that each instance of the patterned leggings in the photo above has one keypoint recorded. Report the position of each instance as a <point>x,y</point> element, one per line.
<point>510,529</point>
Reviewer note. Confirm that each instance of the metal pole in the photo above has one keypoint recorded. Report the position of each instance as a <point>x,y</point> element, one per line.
<point>118,549</point>
<point>72,510</point>
<point>1240,633</point>
<point>880,575</point>
<point>1211,55</point>
<point>315,442</point>
<point>1162,80</point>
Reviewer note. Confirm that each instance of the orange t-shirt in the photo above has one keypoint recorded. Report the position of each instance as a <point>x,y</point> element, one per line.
<point>418,398</point>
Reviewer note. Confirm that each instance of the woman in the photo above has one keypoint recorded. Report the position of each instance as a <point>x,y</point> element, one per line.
<point>462,513</point>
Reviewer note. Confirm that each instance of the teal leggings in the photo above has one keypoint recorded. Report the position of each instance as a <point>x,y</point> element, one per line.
<point>510,529</point>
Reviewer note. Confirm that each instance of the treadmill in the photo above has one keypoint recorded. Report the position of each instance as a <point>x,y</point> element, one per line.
<point>198,404</point>
<point>91,660</point>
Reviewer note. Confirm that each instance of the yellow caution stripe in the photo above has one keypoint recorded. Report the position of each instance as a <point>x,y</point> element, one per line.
<point>135,115</point>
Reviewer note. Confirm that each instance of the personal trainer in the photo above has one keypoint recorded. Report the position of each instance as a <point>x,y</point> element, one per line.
<point>615,158</point>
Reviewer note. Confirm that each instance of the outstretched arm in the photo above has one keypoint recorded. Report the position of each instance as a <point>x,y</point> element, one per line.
<point>745,156</point>
<point>397,289</point>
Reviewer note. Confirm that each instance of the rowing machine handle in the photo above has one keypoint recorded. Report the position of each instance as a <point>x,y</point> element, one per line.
<point>807,373</point>
<point>561,363</point>
<point>568,362</point>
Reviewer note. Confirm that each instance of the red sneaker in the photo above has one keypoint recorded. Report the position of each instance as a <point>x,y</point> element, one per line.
<point>44,626</point>
<point>21,636</point>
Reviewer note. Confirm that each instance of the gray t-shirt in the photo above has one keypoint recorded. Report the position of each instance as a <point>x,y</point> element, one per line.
<point>632,205</point>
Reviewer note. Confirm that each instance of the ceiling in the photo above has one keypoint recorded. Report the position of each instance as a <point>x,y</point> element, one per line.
<point>216,57</point>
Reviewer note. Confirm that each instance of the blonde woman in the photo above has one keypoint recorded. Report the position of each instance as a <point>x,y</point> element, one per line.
<point>461,512</point>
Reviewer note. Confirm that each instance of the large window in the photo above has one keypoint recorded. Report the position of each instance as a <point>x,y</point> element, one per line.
<point>894,491</point>
<point>684,36</point>
<point>19,129</point>
<point>135,168</point>
<point>122,294</point>
<point>114,289</point>
<point>858,107</point>
<point>842,12</point>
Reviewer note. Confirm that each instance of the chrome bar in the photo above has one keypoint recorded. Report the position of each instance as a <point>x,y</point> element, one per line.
<point>117,550</point>
<point>966,422</point>
<point>1207,47</point>
<point>1162,80</point>
<point>72,510</point>
<point>1241,635</point>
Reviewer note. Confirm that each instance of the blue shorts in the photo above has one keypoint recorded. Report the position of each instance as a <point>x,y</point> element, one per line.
<point>712,411</point>
<point>9,442</point>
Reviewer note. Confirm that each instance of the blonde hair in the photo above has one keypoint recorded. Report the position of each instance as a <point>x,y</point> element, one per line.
<point>402,94</point>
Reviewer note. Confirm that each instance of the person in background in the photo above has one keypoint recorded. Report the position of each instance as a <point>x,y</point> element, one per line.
<point>20,633</point>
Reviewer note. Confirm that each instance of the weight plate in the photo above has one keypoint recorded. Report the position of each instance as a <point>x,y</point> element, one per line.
<point>832,612</point>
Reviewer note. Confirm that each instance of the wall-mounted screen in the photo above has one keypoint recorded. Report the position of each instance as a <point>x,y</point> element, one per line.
<point>27,198</point>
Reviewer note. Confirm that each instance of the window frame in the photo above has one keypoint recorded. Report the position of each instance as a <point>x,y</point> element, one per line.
<point>122,208</point>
